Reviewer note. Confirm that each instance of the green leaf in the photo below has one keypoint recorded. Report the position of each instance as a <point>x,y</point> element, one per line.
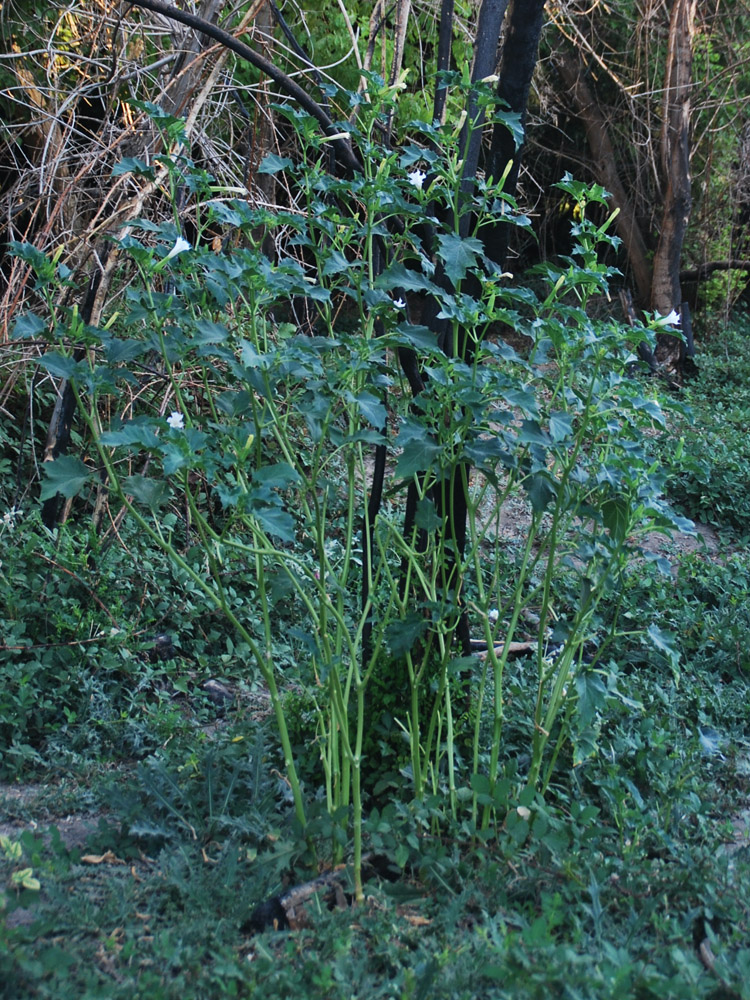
<point>531,433</point>
<point>66,475</point>
<point>372,409</point>
<point>481,784</point>
<point>398,277</point>
<point>652,408</point>
<point>275,521</point>
<point>336,263</point>
<point>417,456</point>
<point>665,643</point>
<point>592,696</point>
<point>458,254</point>
<point>524,399</point>
<point>28,324</point>
<point>560,426</point>
<point>124,350</point>
<point>421,338</point>
<point>513,121</point>
<point>541,490</point>
<point>279,475</point>
<point>272,164</point>
<point>138,431</point>
<point>133,165</point>
<point>402,635</point>
<point>616,517</point>
<point>28,252</point>
<point>426,516</point>
<point>211,333</point>
<point>61,365</point>
<point>150,492</point>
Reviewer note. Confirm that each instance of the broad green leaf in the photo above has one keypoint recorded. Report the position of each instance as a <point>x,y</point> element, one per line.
<point>417,456</point>
<point>398,277</point>
<point>61,365</point>
<point>592,696</point>
<point>229,494</point>
<point>336,263</point>
<point>458,254</point>
<point>275,521</point>
<point>279,475</point>
<point>151,492</point>
<point>531,433</point>
<point>421,338</point>
<point>616,517</point>
<point>661,562</point>
<point>272,164</point>
<point>318,293</point>
<point>481,784</point>
<point>541,490</point>
<point>372,409</point>
<point>402,635</point>
<point>513,121</point>
<point>524,399</point>
<point>651,407</point>
<point>665,643</point>
<point>133,165</point>
<point>28,324</point>
<point>137,431</point>
<point>488,451</point>
<point>560,426</point>
<point>426,516</point>
<point>32,255</point>
<point>124,350</point>
<point>66,475</point>
<point>210,333</point>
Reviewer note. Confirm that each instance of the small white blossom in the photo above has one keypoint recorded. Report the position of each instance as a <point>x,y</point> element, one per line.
<point>672,319</point>
<point>180,247</point>
<point>493,614</point>
<point>176,421</point>
<point>333,138</point>
<point>399,304</point>
<point>417,178</point>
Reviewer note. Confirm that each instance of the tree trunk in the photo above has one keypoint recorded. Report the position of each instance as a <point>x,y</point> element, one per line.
<point>607,172</point>
<point>520,53</point>
<point>675,163</point>
<point>658,284</point>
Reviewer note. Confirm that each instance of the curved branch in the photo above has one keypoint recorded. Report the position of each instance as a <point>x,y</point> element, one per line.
<point>704,271</point>
<point>344,152</point>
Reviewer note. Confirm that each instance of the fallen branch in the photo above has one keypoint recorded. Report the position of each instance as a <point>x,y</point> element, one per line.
<point>703,271</point>
<point>514,648</point>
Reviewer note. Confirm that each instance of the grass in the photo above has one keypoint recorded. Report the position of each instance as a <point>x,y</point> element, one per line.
<point>710,473</point>
<point>631,878</point>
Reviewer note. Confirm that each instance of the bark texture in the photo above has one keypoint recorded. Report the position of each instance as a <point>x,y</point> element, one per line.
<point>519,58</point>
<point>675,164</point>
<point>607,171</point>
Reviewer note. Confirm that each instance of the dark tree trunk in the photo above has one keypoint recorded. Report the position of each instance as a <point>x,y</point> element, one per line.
<point>519,57</point>
<point>675,162</point>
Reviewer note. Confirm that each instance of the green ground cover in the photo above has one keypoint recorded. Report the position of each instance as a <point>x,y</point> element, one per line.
<point>629,879</point>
